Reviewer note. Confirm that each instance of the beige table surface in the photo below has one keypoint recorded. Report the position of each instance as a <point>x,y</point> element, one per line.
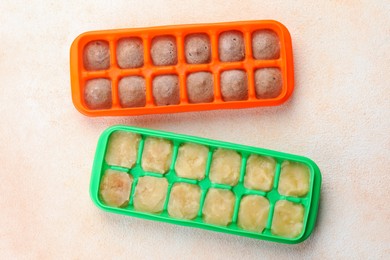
<point>339,116</point>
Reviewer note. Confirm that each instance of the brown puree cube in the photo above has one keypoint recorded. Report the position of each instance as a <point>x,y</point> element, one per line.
<point>150,194</point>
<point>200,87</point>
<point>231,46</point>
<point>197,48</point>
<point>130,53</point>
<point>265,45</point>
<point>268,83</point>
<point>132,91</point>
<point>166,90</point>
<point>234,85</point>
<point>115,188</point>
<point>97,55</point>
<point>97,93</point>
<point>164,50</point>
<point>218,207</point>
<point>184,201</point>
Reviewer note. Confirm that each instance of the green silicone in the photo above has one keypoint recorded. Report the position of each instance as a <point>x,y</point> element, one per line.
<point>310,201</point>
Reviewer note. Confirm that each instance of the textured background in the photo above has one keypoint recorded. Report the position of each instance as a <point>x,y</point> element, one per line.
<point>339,115</point>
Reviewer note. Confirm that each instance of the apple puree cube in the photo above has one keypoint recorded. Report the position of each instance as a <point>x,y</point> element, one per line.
<point>157,155</point>
<point>150,194</point>
<point>122,149</point>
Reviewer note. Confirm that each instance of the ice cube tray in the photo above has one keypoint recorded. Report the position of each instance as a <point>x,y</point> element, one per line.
<point>79,75</point>
<point>310,201</point>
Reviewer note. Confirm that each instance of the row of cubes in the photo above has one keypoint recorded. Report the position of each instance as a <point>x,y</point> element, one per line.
<point>199,86</point>
<point>184,202</point>
<point>191,162</point>
<point>197,47</point>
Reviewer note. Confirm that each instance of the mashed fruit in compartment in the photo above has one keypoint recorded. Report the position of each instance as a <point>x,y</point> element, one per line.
<point>218,207</point>
<point>225,167</point>
<point>191,161</point>
<point>157,155</point>
<point>260,171</point>
<point>294,179</point>
<point>150,194</point>
<point>122,149</point>
<point>115,188</point>
<point>184,201</point>
<point>253,213</point>
<point>288,219</point>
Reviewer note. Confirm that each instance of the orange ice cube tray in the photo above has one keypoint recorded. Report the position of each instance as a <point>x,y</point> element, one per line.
<point>80,75</point>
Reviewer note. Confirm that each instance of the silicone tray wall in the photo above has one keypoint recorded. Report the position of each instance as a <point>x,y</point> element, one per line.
<point>79,75</point>
<point>310,201</point>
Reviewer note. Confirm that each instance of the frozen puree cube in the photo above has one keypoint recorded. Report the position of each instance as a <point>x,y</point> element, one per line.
<point>184,201</point>
<point>122,149</point>
<point>268,83</point>
<point>225,167</point>
<point>200,87</point>
<point>96,55</point>
<point>265,45</point>
<point>97,93</point>
<point>191,161</point>
<point>132,91</point>
<point>150,194</point>
<point>294,179</point>
<point>231,46</point>
<point>115,188</point>
<point>163,51</point>
<point>198,48</point>
<point>253,213</point>
<point>157,155</point>
<point>234,85</point>
<point>288,219</point>
<point>130,53</point>
<point>218,207</point>
<point>166,90</point>
<point>260,171</point>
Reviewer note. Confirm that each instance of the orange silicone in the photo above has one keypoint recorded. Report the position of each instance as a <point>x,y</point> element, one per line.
<point>79,75</point>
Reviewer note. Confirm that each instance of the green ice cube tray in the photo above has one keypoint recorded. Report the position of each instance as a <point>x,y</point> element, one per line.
<point>310,202</point>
